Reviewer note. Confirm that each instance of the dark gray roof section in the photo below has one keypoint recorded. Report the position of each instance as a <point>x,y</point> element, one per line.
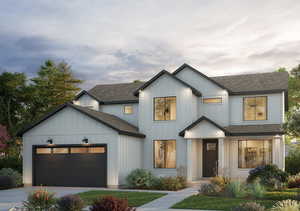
<point>202,118</point>
<point>116,93</point>
<point>114,122</point>
<point>259,83</point>
<point>252,130</point>
<point>163,72</point>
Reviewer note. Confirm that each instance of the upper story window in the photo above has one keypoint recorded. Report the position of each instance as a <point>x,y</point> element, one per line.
<point>165,108</point>
<point>128,109</point>
<point>255,108</point>
<point>212,100</point>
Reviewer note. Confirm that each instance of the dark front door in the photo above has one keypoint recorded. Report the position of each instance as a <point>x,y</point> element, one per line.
<point>210,157</point>
<point>81,166</point>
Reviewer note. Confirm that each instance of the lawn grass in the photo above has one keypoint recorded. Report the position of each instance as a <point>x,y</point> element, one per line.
<point>216,203</point>
<point>135,199</point>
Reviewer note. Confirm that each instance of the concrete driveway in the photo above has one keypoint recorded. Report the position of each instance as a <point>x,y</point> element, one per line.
<point>15,197</point>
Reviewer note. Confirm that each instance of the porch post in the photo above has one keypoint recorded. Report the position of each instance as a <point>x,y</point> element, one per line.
<point>221,157</point>
<point>189,160</point>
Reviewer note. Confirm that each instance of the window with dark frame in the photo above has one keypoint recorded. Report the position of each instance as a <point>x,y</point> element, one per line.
<point>164,153</point>
<point>164,108</point>
<point>254,153</point>
<point>255,108</point>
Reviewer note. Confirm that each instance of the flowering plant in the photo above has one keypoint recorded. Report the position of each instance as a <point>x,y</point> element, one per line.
<point>40,199</point>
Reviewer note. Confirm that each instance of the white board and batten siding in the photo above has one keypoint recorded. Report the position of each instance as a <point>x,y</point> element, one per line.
<point>87,101</point>
<point>69,126</point>
<point>186,108</point>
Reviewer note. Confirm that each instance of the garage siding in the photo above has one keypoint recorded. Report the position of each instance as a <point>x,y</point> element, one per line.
<point>69,127</point>
<point>130,156</point>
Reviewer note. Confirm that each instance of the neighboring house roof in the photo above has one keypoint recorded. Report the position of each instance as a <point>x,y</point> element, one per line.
<point>164,72</point>
<point>111,121</point>
<point>240,130</point>
<point>244,130</point>
<point>114,93</point>
<point>202,118</point>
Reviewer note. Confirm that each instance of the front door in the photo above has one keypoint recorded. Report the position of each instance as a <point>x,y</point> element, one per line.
<point>210,157</point>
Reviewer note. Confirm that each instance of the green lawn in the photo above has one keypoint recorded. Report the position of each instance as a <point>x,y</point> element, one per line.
<point>216,203</point>
<point>135,199</point>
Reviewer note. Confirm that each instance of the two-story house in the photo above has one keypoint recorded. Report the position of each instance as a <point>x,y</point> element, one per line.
<point>180,123</point>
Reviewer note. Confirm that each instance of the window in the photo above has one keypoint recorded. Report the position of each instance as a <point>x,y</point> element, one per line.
<point>128,109</point>
<point>96,150</point>
<point>43,151</point>
<point>165,154</point>
<point>60,150</point>
<point>255,108</point>
<point>212,100</point>
<point>78,150</point>
<point>253,153</point>
<point>165,108</point>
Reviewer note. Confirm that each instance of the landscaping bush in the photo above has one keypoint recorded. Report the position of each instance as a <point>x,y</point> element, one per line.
<point>256,190</point>
<point>235,189</point>
<point>40,200</point>
<point>16,176</point>
<point>210,189</point>
<point>286,205</point>
<point>171,183</point>
<point>11,162</point>
<point>268,175</point>
<point>249,206</point>
<point>292,162</point>
<point>140,178</point>
<point>220,181</point>
<point>278,195</point>
<point>110,203</point>
<point>70,203</point>
<point>294,181</point>
<point>6,182</point>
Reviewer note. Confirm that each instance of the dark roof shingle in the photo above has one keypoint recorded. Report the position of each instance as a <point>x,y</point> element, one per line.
<point>265,129</point>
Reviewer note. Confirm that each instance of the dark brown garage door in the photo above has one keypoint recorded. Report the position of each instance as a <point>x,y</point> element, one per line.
<point>65,165</point>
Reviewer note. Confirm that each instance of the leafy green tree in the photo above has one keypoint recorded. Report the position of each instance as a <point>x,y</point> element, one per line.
<point>292,125</point>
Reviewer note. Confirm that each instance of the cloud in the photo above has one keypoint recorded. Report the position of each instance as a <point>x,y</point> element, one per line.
<point>120,41</point>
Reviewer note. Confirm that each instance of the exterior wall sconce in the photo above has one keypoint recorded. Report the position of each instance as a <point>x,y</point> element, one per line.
<point>85,140</point>
<point>50,141</point>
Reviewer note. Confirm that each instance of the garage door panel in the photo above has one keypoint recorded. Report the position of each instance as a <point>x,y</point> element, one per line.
<point>79,169</point>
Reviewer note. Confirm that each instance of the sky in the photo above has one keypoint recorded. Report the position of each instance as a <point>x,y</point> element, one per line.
<point>121,41</point>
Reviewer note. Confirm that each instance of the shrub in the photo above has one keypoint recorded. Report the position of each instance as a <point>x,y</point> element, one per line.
<point>7,182</point>
<point>249,206</point>
<point>220,181</point>
<point>235,189</point>
<point>268,175</point>
<point>280,195</point>
<point>140,178</point>
<point>256,190</point>
<point>286,205</point>
<point>294,181</point>
<point>16,176</point>
<point>70,203</point>
<point>11,162</point>
<point>40,200</point>
<point>210,189</point>
<point>292,161</point>
<point>170,183</point>
<point>110,203</point>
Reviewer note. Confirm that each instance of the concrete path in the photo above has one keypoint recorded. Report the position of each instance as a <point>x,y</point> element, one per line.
<point>169,200</point>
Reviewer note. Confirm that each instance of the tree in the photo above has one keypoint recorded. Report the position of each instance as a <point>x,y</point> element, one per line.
<point>294,87</point>
<point>292,125</point>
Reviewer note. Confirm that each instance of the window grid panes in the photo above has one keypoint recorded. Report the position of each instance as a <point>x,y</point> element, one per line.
<point>165,154</point>
<point>128,109</point>
<point>60,150</point>
<point>165,108</point>
<point>255,108</point>
<point>43,151</point>
<point>253,153</point>
<point>212,100</point>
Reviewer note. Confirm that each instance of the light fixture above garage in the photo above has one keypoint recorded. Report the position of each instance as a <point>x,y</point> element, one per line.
<point>50,141</point>
<point>85,140</point>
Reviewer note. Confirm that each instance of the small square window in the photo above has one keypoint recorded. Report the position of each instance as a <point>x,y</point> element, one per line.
<point>212,100</point>
<point>96,150</point>
<point>60,150</point>
<point>76,150</point>
<point>128,109</point>
<point>43,151</point>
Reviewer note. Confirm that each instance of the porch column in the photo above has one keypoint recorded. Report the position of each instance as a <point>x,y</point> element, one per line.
<point>189,160</point>
<point>221,157</point>
<point>278,152</point>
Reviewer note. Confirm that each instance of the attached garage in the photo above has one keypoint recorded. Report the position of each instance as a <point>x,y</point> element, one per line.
<point>87,149</point>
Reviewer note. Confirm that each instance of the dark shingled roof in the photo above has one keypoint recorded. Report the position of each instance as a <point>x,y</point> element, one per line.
<point>244,130</point>
<point>114,122</point>
<point>116,93</point>
<point>254,83</point>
